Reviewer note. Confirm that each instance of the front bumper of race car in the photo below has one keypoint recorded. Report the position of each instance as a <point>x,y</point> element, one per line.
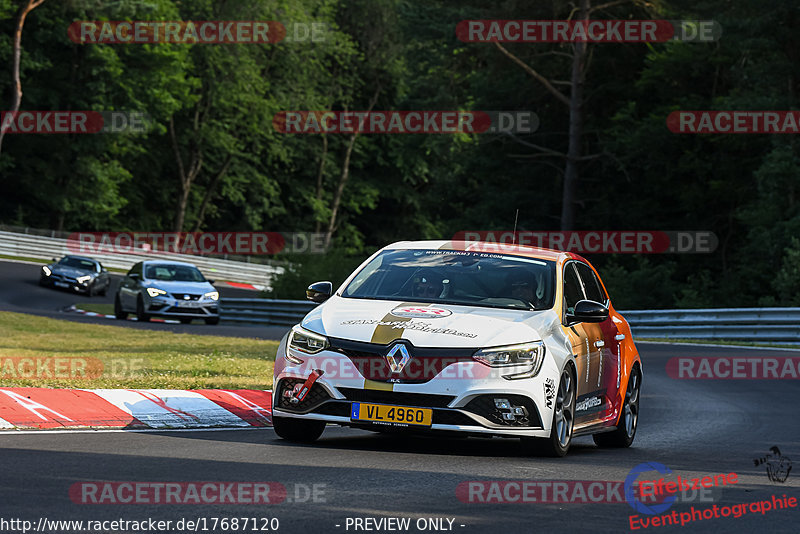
<point>465,397</point>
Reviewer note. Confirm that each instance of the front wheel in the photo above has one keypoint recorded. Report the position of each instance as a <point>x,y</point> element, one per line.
<point>298,430</point>
<point>140,314</point>
<point>563,420</point>
<point>118,313</point>
<point>623,434</point>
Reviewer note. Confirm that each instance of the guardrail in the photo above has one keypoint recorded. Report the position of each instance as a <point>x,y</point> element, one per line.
<point>735,324</point>
<point>46,248</point>
<point>264,311</point>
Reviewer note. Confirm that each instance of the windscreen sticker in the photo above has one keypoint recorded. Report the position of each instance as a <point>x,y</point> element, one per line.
<point>408,325</point>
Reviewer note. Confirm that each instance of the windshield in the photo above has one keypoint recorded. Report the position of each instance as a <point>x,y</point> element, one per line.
<point>456,277</point>
<point>78,263</point>
<point>175,273</point>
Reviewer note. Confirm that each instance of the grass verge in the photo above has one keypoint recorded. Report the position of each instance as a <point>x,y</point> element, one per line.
<point>97,307</point>
<point>43,352</point>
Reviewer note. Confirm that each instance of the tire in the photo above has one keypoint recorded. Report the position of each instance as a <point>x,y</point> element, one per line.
<point>561,429</point>
<point>185,320</point>
<point>103,291</point>
<point>623,434</point>
<point>43,281</point>
<point>213,320</point>
<point>298,430</point>
<point>141,316</point>
<point>118,313</point>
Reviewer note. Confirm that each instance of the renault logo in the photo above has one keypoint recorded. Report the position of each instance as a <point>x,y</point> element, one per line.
<point>398,361</point>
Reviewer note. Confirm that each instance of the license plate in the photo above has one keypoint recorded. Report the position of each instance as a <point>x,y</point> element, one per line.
<point>394,415</point>
<point>60,284</point>
<point>188,304</point>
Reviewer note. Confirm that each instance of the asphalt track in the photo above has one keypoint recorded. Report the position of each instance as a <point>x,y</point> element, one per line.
<point>20,292</point>
<point>694,427</point>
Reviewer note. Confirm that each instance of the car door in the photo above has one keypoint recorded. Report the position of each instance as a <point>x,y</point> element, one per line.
<point>129,287</point>
<point>587,344</point>
<point>608,354</point>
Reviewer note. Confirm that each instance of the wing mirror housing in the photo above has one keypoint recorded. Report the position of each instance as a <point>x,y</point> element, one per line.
<point>319,292</point>
<point>588,311</point>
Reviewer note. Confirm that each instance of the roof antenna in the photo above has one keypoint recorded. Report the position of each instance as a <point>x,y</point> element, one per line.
<point>514,235</point>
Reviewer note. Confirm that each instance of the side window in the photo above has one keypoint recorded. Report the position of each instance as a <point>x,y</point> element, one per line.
<point>572,288</point>
<point>594,291</point>
<point>136,269</point>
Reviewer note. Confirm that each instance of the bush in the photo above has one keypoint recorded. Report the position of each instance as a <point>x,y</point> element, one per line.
<point>301,271</point>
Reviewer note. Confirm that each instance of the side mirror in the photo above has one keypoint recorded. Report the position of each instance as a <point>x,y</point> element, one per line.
<point>55,260</point>
<point>210,281</point>
<point>103,270</point>
<point>588,311</point>
<point>319,291</point>
<point>134,276</point>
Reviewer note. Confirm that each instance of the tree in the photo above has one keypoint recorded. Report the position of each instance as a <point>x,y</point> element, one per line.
<point>25,8</point>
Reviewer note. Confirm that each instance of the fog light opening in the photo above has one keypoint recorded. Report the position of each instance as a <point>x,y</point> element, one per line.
<point>510,413</point>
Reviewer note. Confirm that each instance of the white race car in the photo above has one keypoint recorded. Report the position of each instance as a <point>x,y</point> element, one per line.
<point>481,339</point>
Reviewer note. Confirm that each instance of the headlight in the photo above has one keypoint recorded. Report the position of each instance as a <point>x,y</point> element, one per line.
<point>306,341</point>
<point>211,295</point>
<point>83,279</point>
<point>46,270</point>
<point>154,291</point>
<point>530,354</point>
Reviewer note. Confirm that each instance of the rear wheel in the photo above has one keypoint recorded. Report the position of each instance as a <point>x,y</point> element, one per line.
<point>186,320</point>
<point>298,430</point>
<point>625,431</point>
<point>563,420</point>
<point>140,314</point>
<point>118,313</point>
<point>213,320</point>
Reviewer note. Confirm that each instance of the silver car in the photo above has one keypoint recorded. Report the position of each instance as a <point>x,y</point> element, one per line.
<point>169,289</point>
<point>76,273</point>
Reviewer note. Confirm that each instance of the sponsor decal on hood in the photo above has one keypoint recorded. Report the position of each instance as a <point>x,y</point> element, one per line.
<point>420,312</point>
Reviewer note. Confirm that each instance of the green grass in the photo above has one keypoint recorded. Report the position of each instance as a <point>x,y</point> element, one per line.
<point>720,342</point>
<point>23,258</point>
<point>103,356</point>
<point>97,307</point>
<point>48,261</point>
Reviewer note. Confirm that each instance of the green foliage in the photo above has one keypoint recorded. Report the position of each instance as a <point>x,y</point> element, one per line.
<point>302,271</point>
<point>404,55</point>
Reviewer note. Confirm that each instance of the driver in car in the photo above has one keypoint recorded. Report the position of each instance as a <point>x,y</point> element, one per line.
<point>523,286</point>
<point>427,285</point>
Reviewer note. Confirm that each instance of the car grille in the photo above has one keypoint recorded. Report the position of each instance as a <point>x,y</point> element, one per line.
<point>62,278</point>
<point>484,406</point>
<point>394,397</point>
<point>186,311</point>
<point>315,396</point>
<point>423,365</point>
<point>182,296</point>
